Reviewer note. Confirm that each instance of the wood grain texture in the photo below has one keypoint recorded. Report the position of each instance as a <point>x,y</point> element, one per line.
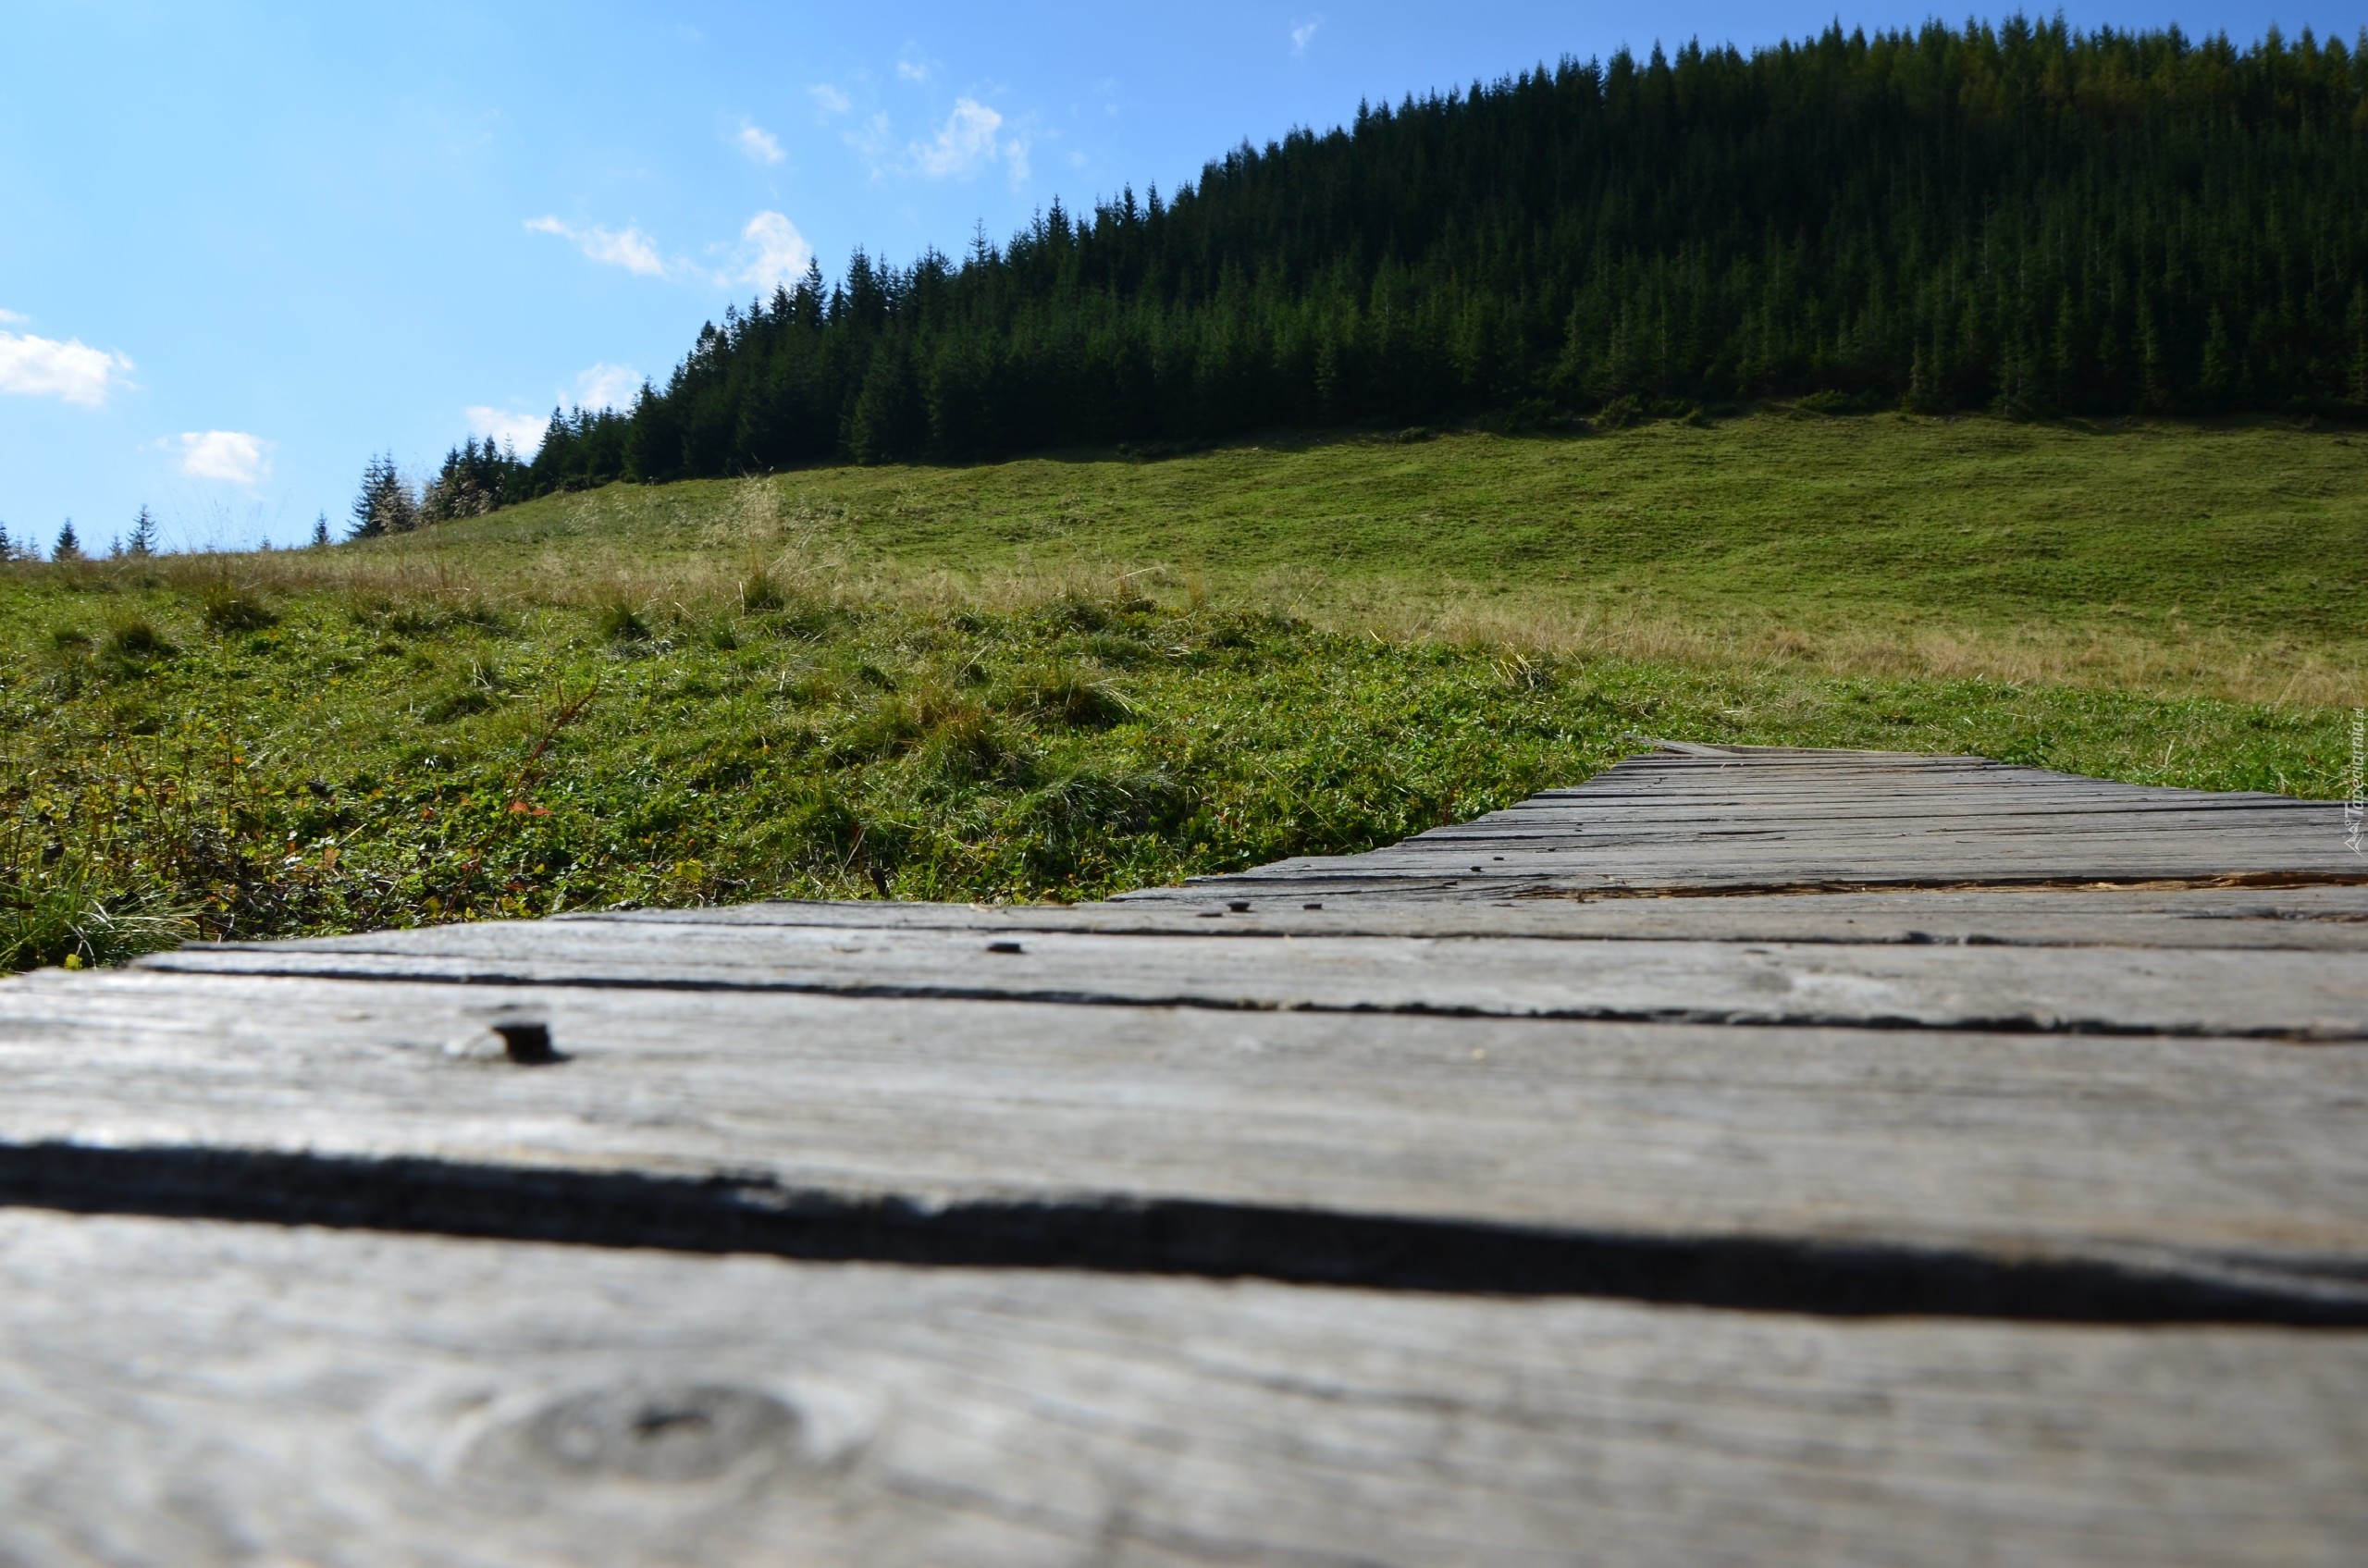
<point>2271,994</point>
<point>2324,919</point>
<point>2193,1160</point>
<point>258,1394</point>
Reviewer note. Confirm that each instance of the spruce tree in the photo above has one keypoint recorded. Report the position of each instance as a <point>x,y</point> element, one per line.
<point>384,504</point>
<point>321,531</point>
<point>67,547</point>
<point>8,546</point>
<point>143,541</point>
<point>367,522</point>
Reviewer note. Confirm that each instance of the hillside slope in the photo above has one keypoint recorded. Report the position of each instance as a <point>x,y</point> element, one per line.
<point>1063,678</point>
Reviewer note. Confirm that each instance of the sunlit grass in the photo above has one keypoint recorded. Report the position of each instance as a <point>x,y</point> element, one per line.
<point>856,684</point>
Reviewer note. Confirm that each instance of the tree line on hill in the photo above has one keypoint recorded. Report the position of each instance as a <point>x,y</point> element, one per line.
<point>2019,218</point>
<point>142,541</point>
<point>139,544</point>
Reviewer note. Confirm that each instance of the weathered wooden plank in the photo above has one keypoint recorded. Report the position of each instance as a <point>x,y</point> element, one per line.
<point>2280,994</point>
<point>261,1394</point>
<point>2329,919</point>
<point>2192,1165</point>
<point>1744,818</point>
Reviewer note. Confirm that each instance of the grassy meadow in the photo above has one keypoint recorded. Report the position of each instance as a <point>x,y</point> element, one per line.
<point>1061,678</point>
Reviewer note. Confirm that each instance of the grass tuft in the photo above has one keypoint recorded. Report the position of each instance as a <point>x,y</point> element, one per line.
<point>71,917</point>
<point>136,643</point>
<point>230,609</point>
<point>1066,694</point>
<point>760,594</point>
<point>620,620</point>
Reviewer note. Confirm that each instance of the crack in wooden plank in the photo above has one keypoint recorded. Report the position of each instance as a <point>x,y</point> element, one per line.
<point>1020,992</point>
<point>1187,1237</point>
<point>2271,879</point>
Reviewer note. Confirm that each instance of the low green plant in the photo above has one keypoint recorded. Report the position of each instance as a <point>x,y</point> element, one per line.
<point>70,916</point>
<point>1066,694</point>
<point>137,642</point>
<point>621,620</point>
<point>230,609</point>
<point>760,594</point>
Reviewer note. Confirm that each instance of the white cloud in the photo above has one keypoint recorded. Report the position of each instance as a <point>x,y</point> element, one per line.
<point>772,251</point>
<point>912,68</point>
<point>966,142</point>
<point>521,431</point>
<point>230,455</point>
<point>607,386</point>
<point>829,100</point>
<point>969,140</point>
<point>758,145</point>
<point>43,367</point>
<point>12,315</point>
<point>628,248</point>
<point>1303,35</point>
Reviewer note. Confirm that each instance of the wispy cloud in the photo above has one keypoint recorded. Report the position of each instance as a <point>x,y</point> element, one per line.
<point>523,432</point>
<point>873,139</point>
<point>970,140</point>
<point>232,456</point>
<point>607,386</point>
<point>71,371</point>
<point>758,145</point>
<point>12,315</point>
<point>829,100</point>
<point>911,67</point>
<point>628,248</point>
<point>771,252</point>
<point>1303,35</point>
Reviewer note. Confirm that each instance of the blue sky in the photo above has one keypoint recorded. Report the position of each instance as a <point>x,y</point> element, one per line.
<point>244,247</point>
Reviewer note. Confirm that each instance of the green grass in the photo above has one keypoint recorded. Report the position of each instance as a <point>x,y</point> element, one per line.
<point>1059,679</point>
<point>2223,558</point>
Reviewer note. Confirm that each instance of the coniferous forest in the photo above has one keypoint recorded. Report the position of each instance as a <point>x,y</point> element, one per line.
<point>2019,218</point>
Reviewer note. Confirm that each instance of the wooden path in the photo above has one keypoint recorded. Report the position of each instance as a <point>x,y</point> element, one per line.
<point>1746,1157</point>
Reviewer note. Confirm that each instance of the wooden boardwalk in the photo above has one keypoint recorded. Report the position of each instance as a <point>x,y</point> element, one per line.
<point>1749,1157</point>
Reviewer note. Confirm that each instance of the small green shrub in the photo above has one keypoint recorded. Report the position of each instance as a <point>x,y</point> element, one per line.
<point>63,916</point>
<point>622,621</point>
<point>458,704</point>
<point>959,737</point>
<point>759,595</point>
<point>413,621</point>
<point>1066,694</point>
<point>1839,403</point>
<point>1620,414</point>
<point>229,609</point>
<point>138,642</point>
